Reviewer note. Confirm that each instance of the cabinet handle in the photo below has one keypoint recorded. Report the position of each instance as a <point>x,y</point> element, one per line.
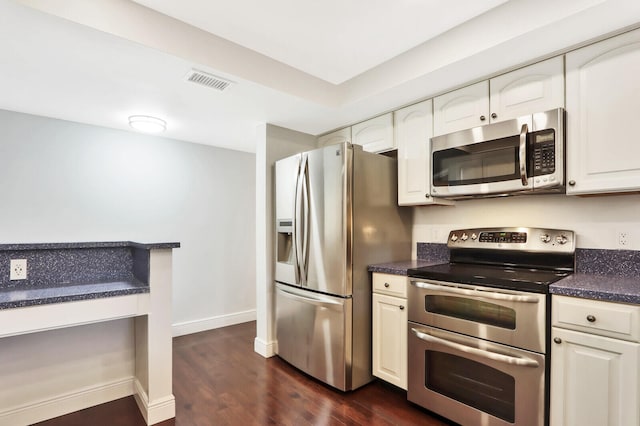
<point>386,285</point>
<point>591,318</point>
<point>402,307</point>
<point>482,118</point>
<point>494,115</point>
<point>572,183</point>
<point>557,340</point>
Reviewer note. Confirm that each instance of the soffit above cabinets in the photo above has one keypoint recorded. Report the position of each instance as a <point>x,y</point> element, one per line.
<point>106,58</point>
<point>333,40</point>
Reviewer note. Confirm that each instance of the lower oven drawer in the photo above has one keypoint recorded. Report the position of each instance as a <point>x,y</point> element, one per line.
<point>475,382</point>
<point>514,318</point>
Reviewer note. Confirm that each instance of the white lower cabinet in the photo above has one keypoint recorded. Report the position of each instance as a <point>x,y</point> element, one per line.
<point>595,380</point>
<point>390,330</point>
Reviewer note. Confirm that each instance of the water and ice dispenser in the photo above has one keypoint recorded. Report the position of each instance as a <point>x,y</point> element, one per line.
<point>285,241</point>
<point>285,269</point>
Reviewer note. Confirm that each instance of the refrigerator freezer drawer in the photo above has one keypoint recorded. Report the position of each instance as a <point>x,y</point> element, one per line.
<point>314,334</point>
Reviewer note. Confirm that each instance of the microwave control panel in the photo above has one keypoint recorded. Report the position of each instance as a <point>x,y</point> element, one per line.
<point>543,152</point>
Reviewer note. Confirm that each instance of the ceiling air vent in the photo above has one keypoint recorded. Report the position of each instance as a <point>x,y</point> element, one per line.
<point>209,80</point>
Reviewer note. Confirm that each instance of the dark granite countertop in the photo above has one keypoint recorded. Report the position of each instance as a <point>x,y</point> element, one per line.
<point>85,245</point>
<point>601,274</point>
<point>611,288</point>
<point>19,297</point>
<point>400,268</point>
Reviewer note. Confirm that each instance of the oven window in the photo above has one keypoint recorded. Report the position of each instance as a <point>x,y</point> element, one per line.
<point>472,310</point>
<point>472,383</point>
<point>483,162</point>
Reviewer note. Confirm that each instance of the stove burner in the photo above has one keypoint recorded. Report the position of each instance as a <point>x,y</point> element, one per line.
<point>513,278</point>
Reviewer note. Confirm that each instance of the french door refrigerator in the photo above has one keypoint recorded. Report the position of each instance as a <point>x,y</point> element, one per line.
<point>336,213</point>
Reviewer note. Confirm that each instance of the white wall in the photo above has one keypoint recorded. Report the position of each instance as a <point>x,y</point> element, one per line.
<point>48,373</point>
<point>64,181</point>
<point>596,220</point>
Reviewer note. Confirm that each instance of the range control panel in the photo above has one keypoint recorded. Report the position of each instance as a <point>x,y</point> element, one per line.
<point>531,239</point>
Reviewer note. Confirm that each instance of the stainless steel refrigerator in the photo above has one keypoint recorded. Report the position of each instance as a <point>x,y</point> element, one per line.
<point>336,213</point>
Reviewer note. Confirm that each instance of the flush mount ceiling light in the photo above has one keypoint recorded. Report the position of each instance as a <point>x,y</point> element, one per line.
<point>145,123</point>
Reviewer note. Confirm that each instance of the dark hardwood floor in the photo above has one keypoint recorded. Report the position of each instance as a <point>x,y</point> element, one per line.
<point>220,380</point>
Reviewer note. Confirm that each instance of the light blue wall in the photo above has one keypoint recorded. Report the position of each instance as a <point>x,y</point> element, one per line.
<point>64,181</point>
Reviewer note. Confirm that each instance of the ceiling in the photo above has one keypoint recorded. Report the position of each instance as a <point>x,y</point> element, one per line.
<point>305,65</point>
<point>334,40</point>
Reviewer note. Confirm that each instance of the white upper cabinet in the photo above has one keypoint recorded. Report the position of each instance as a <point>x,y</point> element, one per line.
<point>603,103</point>
<point>536,88</point>
<point>339,136</point>
<point>461,109</point>
<point>375,135</point>
<point>413,130</point>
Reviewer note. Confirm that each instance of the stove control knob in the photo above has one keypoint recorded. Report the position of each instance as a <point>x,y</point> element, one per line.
<point>464,237</point>
<point>474,236</point>
<point>454,238</point>
<point>545,238</point>
<point>561,239</point>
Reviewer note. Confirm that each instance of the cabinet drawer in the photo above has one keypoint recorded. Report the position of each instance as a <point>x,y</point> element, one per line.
<point>610,319</point>
<point>394,285</point>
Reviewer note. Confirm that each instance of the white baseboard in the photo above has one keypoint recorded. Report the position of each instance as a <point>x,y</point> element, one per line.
<point>67,403</point>
<point>157,411</point>
<point>266,349</point>
<point>189,327</point>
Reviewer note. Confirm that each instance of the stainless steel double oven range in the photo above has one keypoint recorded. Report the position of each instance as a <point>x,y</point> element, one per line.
<point>479,325</point>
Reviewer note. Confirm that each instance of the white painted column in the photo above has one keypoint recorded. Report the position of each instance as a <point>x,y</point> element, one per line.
<point>272,143</point>
<point>154,348</point>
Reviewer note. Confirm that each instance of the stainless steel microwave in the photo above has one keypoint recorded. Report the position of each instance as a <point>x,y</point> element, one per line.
<point>523,155</point>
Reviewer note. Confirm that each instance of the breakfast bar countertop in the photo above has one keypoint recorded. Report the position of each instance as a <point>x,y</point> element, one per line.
<point>19,297</point>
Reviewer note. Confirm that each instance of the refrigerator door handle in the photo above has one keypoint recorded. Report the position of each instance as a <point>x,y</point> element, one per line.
<point>304,264</point>
<point>296,225</point>
<point>317,301</point>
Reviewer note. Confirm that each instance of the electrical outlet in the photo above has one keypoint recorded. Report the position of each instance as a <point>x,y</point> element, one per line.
<point>624,239</point>
<point>18,269</point>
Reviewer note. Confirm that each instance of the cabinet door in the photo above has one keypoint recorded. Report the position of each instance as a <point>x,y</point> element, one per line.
<point>536,88</point>
<point>594,380</point>
<point>339,136</point>
<point>375,135</point>
<point>603,100</point>
<point>390,339</point>
<point>461,109</point>
<point>413,130</point>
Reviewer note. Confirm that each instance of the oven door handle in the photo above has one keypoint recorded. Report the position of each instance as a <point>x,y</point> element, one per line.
<point>495,295</point>
<point>505,359</point>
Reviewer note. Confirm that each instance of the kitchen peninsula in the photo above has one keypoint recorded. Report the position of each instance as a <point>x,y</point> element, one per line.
<point>101,310</point>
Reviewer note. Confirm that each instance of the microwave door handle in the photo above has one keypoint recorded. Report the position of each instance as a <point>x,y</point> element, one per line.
<point>522,158</point>
<point>505,359</point>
